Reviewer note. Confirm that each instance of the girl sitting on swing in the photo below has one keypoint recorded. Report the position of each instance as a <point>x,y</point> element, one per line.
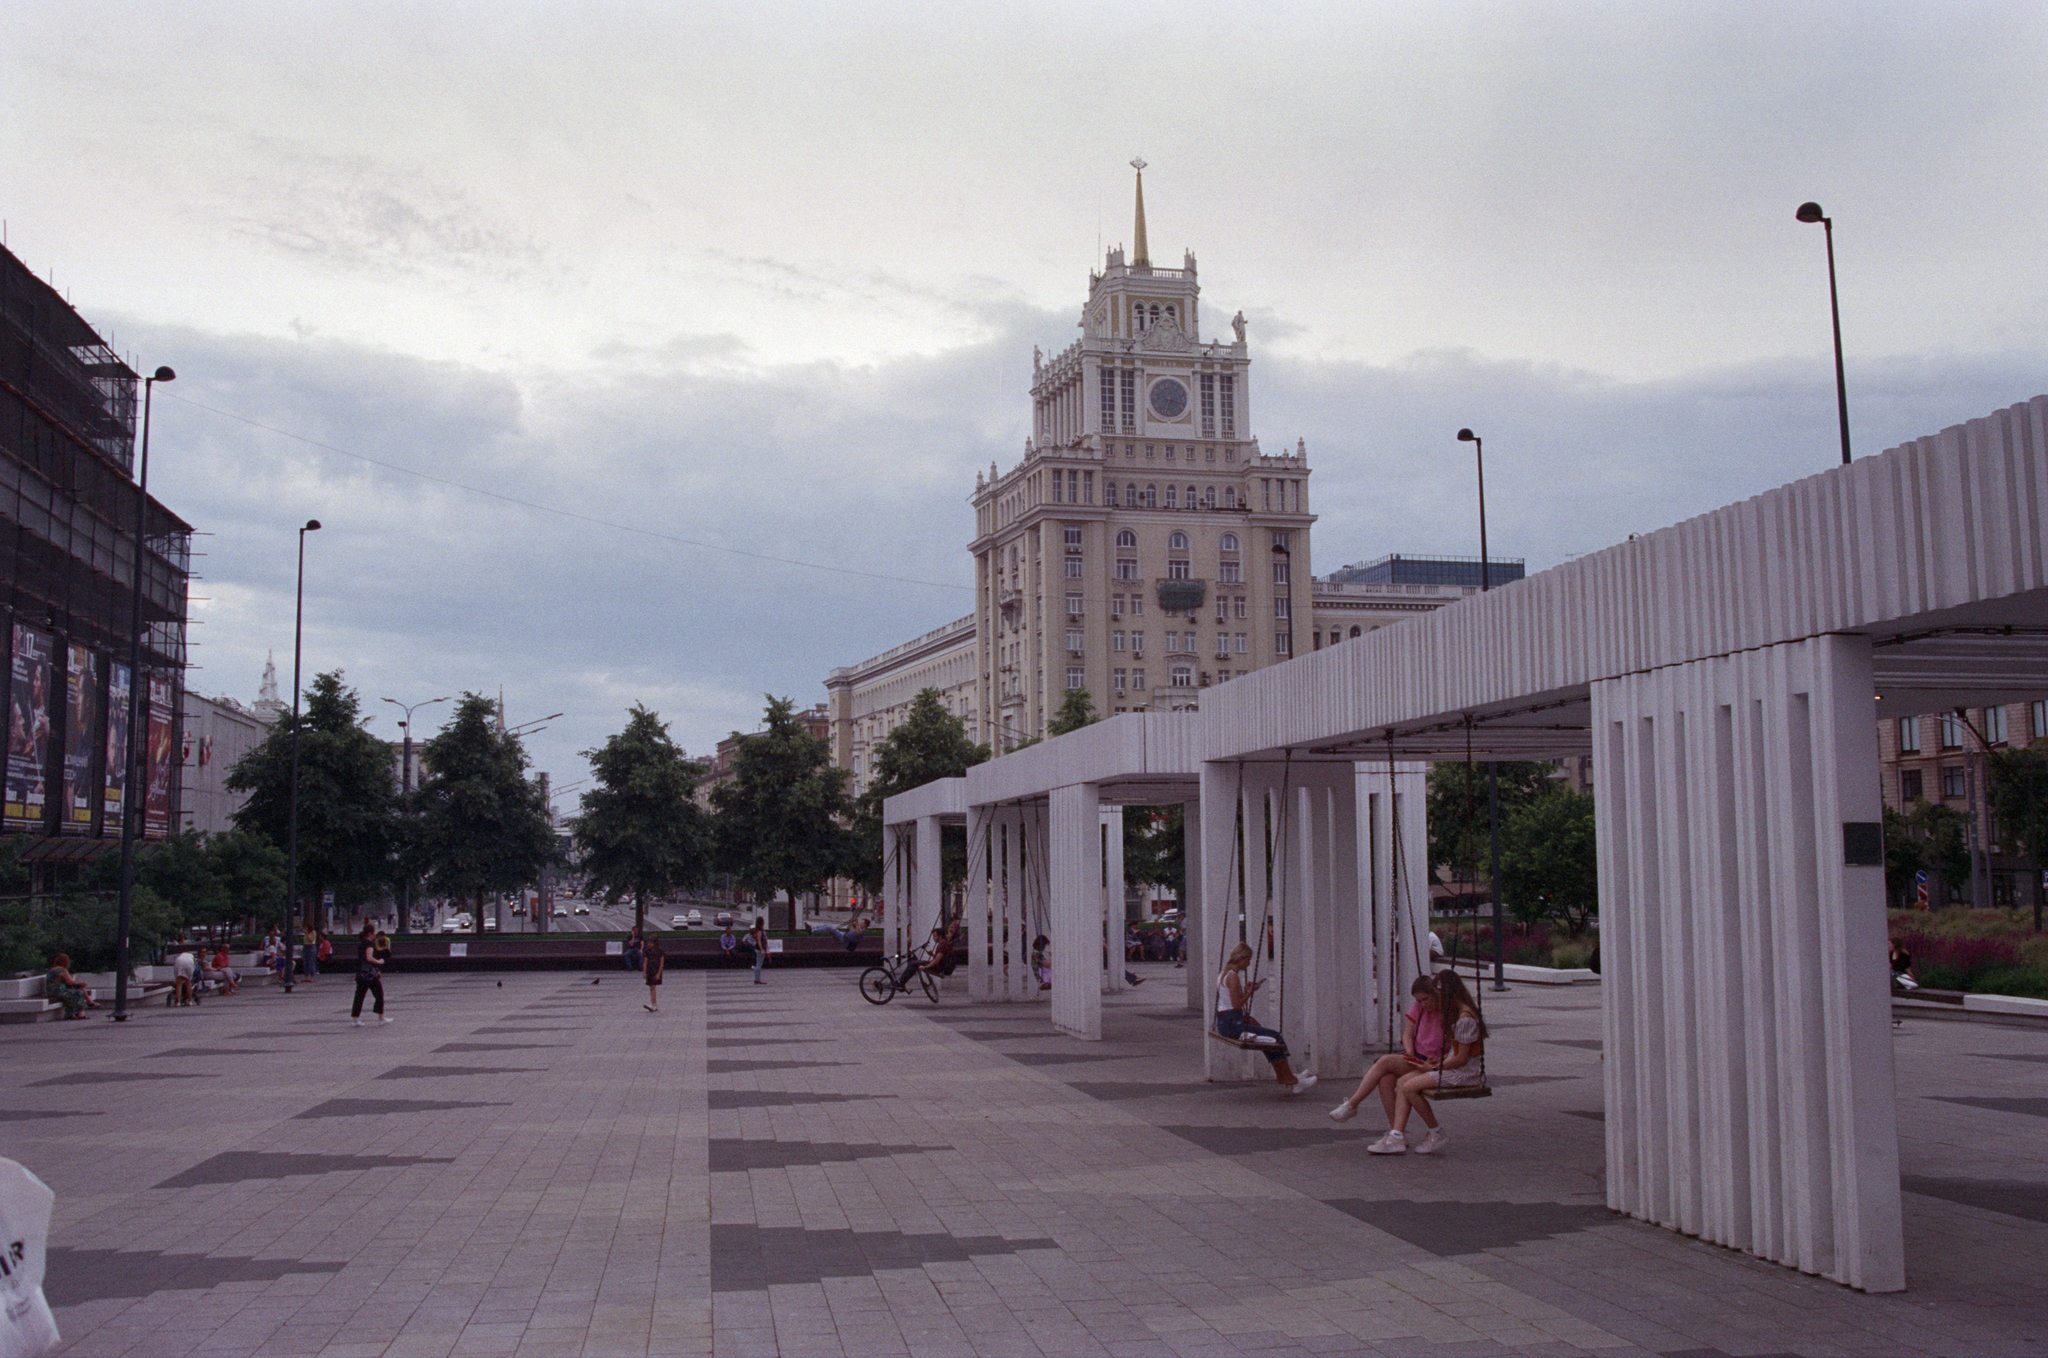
<point>1454,1070</point>
<point>1422,1041</point>
<point>1234,1022</point>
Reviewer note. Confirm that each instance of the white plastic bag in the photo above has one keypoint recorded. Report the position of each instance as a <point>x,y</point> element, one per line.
<point>27,1329</point>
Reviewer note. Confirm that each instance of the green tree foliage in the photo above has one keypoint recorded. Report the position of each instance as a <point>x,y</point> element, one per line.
<point>1459,832</point>
<point>641,831</point>
<point>1076,710</point>
<point>781,817</point>
<point>1932,838</point>
<point>480,825</point>
<point>2019,802</point>
<point>347,795</point>
<point>929,744</point>
<point>1548,869</point>
<point>1155,848</point>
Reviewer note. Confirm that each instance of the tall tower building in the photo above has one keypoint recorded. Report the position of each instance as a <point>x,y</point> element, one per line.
<point>1144,549</point>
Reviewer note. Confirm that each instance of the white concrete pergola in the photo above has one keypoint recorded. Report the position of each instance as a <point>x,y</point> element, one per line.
<point>1727,673</point>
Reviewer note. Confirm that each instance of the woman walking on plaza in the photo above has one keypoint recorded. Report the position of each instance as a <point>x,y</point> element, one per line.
<point>652,965</point>
<point>1234,1020</point>
<point>758,937</point>
<point>1422,1041</point>
<point>1454,1070</point>
<point>372,953</point>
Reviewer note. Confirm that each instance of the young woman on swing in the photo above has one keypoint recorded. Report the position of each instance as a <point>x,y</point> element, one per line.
<point>1422,1041</point>
<point>1455,1070</point>
<point>1234,1021</point>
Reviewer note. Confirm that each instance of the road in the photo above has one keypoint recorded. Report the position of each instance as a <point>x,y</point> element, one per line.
<point>613,919</point>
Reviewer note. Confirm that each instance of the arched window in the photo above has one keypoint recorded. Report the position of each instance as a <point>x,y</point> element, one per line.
<point>1130,495</point>
<point>1354,631</point>
<point>1138,314</point>
<point>1177,542</point>
<point>1155,313</point>
<point>1191,497</point>
<point>1209,498</point>
<point>1230,497</point>
<point>1172,497</point>
<point>1151,497</point>
<point>1109,492</point>
<point>1127,538</point>
<point>1170,316</point>
<point>1230,542</point>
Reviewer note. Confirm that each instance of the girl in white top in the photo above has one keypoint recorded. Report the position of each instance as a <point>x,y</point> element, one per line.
<point>1233,1020</point>
<point>1453,1070</point>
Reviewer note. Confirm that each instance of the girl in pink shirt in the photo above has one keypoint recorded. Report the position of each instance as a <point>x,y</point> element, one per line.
<point>1422,1041</point>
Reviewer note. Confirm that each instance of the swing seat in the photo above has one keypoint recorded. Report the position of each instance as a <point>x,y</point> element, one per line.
<point>1254,1042</point>
<point>1478,1091</point>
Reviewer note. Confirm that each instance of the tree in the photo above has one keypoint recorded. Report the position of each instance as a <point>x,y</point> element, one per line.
<point>480,825</point>
<point>347,795</point>
<point>1076,710</point>
<point>204,880</point>
<point>1548,867</point>
<point>1930,838</point>
<point>929,744</point>
<point>781,817</point>
<point>1459,830</point>
<point>641,831</point>
<point>2019,802</point>
<point>1155,848</point>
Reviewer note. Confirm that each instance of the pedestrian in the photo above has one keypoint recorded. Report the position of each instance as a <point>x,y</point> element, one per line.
<point>1234,1020</point>
<point>370,960</point>
<point>758,936</point>
<point>310,957</point>
<point>651,967</point>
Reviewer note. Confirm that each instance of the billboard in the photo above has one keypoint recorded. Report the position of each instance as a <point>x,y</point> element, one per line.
<point>115,777</point>
<point>81,734</point>
<point>28,730</point>
<point>156,804</point>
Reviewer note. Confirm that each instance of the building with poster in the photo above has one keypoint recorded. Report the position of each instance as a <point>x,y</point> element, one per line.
<point>68,498</point>
<point>214,734</point>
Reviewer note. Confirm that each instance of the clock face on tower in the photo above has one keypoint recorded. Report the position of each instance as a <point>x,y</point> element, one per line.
<point>1168,398</point>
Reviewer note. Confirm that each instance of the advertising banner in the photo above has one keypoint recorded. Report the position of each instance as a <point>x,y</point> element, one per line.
<point>156,805</point>
<point>81,734</point>
<point>28,730</point>
<point>118,679</point>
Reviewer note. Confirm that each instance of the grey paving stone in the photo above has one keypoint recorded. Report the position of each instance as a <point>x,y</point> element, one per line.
<point>76,1276</point>
<point>234,1167</point>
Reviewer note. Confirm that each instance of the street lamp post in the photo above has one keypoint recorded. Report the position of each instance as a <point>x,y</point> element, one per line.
<point>405,787</point>
<point>291,890</point>
<point>1500,940</point>
<point>1811,212</point>
<point>130,784</point>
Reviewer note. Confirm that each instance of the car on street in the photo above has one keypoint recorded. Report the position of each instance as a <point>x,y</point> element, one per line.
<point>722,918</point>
<point>490,924</point>
<point>582,909</point>
<point>561,912</point>
<point>696,917</point>
<point>679,922</point>
<point>456,924</point>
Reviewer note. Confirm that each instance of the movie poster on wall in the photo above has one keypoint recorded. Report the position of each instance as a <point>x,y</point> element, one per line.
<point>81,732</point>
<point>156,806</point>
<point>28,730</point>
<point>118,680</point>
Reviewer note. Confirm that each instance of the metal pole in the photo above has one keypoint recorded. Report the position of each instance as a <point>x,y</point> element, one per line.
<point>130,807</point>
<point>1500,939</point>
<point>291,890</point>
<point>1835,310</point>
<point>405,788</point>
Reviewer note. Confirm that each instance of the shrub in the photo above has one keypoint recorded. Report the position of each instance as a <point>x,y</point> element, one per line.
<point>2031,982</point>
<point>1950,963</point>
<point>1573,953</point>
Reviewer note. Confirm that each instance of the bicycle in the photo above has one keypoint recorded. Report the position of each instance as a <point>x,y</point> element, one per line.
<point>892,976</point>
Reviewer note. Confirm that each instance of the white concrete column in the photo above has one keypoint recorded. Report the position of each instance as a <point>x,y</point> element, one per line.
<point>1113,899</point>
<point>1748,1043</point>
<point>1075,853</point>
<point>984,955</point>
<point>927,889</point>
<point>1393,838</point>
<point>900,849</point>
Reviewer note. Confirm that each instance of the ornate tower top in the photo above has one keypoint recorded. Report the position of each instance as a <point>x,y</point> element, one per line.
<point>1141,257</point>
<point>266,696</point>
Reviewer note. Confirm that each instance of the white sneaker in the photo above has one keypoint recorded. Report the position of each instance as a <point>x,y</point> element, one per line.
<point>1434,1142</point>
<point>357,1023</point>
<point>382,1019</point>
<point>1393,1143</point>
<point>1344,1111</point>
<point>1302,1084</point>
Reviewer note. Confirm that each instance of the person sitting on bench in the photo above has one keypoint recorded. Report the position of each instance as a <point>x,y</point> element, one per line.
<point>1234,1020</point>
<point>1422,1041</point>
<point>64,988</point>
<point>1454,1070</point>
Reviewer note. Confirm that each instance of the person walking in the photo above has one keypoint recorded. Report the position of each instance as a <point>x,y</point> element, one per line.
<point>758,937</point>
<point>371,955</point>
<point>653,962</point>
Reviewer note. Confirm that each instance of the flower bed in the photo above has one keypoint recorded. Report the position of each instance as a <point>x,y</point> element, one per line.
<point>1989,952</point>
<point>1526,947</point>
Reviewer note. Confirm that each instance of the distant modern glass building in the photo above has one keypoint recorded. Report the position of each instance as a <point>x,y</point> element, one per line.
<point>1399,569</point>
<point>67,571</point>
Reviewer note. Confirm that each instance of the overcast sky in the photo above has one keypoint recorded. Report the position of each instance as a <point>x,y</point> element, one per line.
<point>767,278</point>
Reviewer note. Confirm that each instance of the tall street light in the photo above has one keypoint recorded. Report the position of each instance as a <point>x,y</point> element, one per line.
<point>1500,941</point>
<point>131,785</point>
<point>1811,212</point>
<point>405,786</point>
<point>291,889</point>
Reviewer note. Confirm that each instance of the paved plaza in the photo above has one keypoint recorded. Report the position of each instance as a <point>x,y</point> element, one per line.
<point>530,1163</point>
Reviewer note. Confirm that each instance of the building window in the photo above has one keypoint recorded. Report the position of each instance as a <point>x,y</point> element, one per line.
<point>1239,603</point>
<point>1172,498</point>
<point>1058,487</point>
<point>1226,405</point>
<point>1283,541</point>
<point>1138,642</point>
<point>1208,404</point>
<point>1176,542</point>
<point>1230,542</point>
<point>1283,643</point>
<point>1994,726</point>
<point>1126,569</point>
<point>1120,676</point>
<point>1172,643</point>
<point>1073,569</point>
<point>1073,605</point>
<point>1316,640</point>
<point>1116,640</point>
<point>1151,452</point>
<point>1355,632</point>
<point>1072,534</point>
<point>1137,678</point>
<point>1283,606</point>
<point>1116,605</point>
<point>1209,497</point>
<point>1909,785</point>
<point>1131,495</point>
<point>1266,492</point>
<point>1282,571</point>
<point>1177,569</point>
<point>1075,640</point>
<point>1222,645</point>
<point>1127,539</point>
<point>1229,573</point>
<point>1127,386</point>
<point>1087,488</point>
<point>1076,677</point>
<point>1229,492</point>
<point>1952,783</point>
<point>1137,605</point>
<point>1151,497</point>
<point>1241,642</point>
<point>1951,731</point>
<point>1909,735</point>
<point>1108,398</point>
<point>1109,493</point>
<point>1183,676</point>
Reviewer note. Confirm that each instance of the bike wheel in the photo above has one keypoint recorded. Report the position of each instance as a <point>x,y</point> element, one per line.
<point>931,987</point>
<point>877,986</point>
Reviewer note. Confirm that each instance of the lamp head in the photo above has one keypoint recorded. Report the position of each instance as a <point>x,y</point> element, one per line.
<point>1467,436</point>
<point>312,526</point>
<point>1810,212</point>
<point>163,375</point>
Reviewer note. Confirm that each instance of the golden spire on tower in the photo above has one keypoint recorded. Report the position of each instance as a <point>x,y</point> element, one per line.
<point>1139,254</point>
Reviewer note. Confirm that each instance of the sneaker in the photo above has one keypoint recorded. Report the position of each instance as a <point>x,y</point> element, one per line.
<point>1302,1084</point>
<point>1344,1111</point>
<point>382,1019</point>
<point>1393,1143</point>
<point>1434,1142</point>
<point>356,1023</point>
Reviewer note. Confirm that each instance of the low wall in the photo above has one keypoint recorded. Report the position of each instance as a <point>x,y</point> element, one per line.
<point>585,952</point>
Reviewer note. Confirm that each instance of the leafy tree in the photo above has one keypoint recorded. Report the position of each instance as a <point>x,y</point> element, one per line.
<point>2019,802</point>
<point>1155,848</point>
<point>1459,830</point>
<point>347,796</point>
<point>929,744</point>
<point>642,832</point>
<point>1548,868</point>
<point>781,817</point>
<point>1076,710</point>
<point>481,826</point>
<point>251,873</point>
<point>1932,838</point>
